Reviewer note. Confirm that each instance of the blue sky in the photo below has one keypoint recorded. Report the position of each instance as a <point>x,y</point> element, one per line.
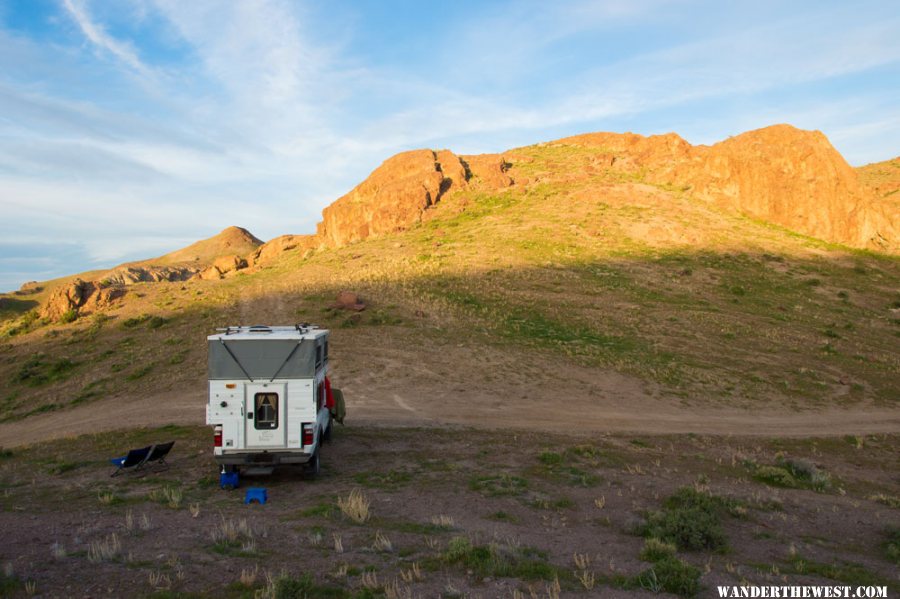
<point>129,128</point>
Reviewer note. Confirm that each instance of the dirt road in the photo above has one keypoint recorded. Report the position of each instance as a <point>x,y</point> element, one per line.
<point>538,412</point>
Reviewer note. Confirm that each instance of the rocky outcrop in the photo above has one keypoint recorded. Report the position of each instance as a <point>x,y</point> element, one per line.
<point>29,288</point>
<point>223,266</point>
<point>778,174</point>
<point>398,192</point>
<point>129,275</point>
<point>487,171</point>
<point>271,250</point>
<point>792,178</point>
<point>391,199</point>
<point>79,298</point>
<point>210,258</point>
<point>882,178</point>
<point>348,300</point>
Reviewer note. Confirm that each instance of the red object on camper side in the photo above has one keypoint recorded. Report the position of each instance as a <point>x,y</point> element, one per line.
<point>329,398</point>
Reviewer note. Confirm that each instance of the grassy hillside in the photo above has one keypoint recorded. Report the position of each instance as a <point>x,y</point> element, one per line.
<point>575,271</point>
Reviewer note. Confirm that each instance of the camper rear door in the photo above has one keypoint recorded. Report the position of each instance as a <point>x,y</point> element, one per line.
<point>265,415</point>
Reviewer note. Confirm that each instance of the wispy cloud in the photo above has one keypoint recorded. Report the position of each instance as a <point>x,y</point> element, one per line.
<point>98,36</point>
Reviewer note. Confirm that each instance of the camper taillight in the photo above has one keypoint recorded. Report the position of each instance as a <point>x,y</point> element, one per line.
<point>307,434</point>
<point>217,436</point>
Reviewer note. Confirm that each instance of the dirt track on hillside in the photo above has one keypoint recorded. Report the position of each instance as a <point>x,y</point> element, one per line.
<point>417,385</point>
<point>392,409</point>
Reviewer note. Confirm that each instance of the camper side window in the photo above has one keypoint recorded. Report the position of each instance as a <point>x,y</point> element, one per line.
<point>318,356</point>
<point>266,405</point>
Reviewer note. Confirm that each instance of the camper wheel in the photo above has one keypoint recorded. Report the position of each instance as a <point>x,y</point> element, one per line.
<point>313,466</point>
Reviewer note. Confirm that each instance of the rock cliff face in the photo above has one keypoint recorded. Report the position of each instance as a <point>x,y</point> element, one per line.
<point>129,275</point>
<point>795,179</point>
<point>272,249</point>
<point>79,298</point>
<point>398,192</point>
<point>779,174</point>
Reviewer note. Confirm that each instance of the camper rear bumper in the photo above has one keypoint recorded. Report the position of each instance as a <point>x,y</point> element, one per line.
<point>259,458</point>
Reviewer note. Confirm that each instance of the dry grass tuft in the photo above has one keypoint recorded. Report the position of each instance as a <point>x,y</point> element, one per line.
<point>369,580</point>
<point>413,574</point>
<point>159,581</point>
<point>586,578</point>
<point>169,496</point>
<point>443,521</point>
<point>355,506</point>
<point>395,590</point>
<point>382,543</point>
<point>107,497</point>
<point>248,576</point>
<point>232,532</point>
<point>105,550</point>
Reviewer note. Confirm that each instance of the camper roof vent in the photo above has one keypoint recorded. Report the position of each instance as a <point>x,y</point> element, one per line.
<point>259,328</point>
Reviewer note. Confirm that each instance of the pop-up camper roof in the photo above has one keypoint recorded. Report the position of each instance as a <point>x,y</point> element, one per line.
<point>261,353</point>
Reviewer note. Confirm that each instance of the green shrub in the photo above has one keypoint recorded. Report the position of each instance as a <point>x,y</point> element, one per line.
<point>775,476</point>
<point>806,472</point>
<point>655,550</point>
<point>691,520</point>
<point>689,497</point>
<point>550,458</point>
<point>500,561</point>
<point>287,587</point>
<point>687,528</point>
<point>793,473</point>
<point>140,372</point>
<point>154,322</point>
<point>38,371</point>
<point>135,321</point>
<point>68,316</point>
<point>672,575</point>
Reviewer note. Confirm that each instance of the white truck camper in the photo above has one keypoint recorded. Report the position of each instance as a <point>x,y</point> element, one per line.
<point>270,401</point>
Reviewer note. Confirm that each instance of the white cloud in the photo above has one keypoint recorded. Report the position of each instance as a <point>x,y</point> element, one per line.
<point>100,38</point>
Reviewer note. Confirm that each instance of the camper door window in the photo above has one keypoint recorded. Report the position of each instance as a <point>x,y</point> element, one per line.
<point>266,405</point>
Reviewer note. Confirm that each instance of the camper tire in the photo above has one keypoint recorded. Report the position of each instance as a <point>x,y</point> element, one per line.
<point>313,465</point>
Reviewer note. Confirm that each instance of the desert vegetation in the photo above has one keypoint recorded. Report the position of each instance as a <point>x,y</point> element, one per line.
<point>480,515</point>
